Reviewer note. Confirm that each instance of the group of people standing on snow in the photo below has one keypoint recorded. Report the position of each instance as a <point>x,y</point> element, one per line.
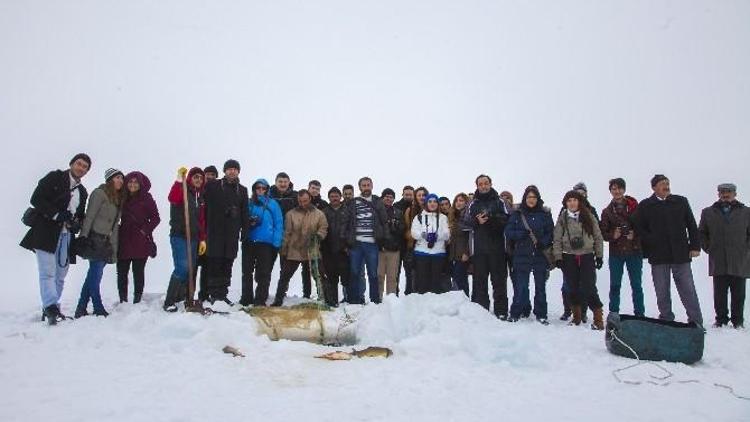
<point>364,242</point>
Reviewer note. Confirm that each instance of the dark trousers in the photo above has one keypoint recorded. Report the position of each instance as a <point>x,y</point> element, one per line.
<point>461,276</point>
<point>407,261</point>
<point>219,277</point>
<point>580,275</point>
<point>724,285</point>
<point>492,267</point>
<point>429,274</point>
<point>123,268</point>
<point>257,262</point>
<point>288,268</point>
<point>521,302</point>
<point>306,280</point>
<point>337,271</point>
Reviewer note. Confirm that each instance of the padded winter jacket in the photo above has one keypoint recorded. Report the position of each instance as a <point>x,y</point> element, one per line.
<point>567,229</point>
<point>489,237</point>
<point>525,255</point>
<point>270,221</point>
<point>140,216</point>
<point>430,222</point>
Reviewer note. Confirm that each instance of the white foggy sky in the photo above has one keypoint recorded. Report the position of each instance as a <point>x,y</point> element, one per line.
<point>427,92</point>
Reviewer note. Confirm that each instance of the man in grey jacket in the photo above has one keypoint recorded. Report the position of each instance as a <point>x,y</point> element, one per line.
<point>725,236</point>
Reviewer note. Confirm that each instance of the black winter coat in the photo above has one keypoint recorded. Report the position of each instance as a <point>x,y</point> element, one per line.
<point>226,217</point>
<point>667,229</point>
<point>489,237</point>
<point>287,200</point>
<point>51,196</point>
<point>335,241</point>
<point>394,230</point>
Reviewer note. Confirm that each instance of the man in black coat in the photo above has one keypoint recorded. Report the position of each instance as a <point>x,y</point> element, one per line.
<point>333,248</point>
<point>209,173</point>
<point>59,202</point>
<point>670,239</point>
<point>365,229</point>
<point>725,236</point>
<point>226,220</point>
<point>487,216</point>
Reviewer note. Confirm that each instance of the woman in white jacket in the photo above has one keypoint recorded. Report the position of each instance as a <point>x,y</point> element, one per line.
<point>431,230</point>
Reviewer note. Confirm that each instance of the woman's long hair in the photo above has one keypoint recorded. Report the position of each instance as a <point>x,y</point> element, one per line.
<point>455,214</point>
<point>115,197</point>
<point>585,216</point>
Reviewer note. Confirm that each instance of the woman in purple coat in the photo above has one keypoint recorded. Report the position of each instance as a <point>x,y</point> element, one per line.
<point>140,217</point>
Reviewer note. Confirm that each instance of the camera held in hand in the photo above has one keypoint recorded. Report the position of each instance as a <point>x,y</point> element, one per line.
<point>431,240</point>
<point>74,226</point>
<point>254,220</point>
<point>624,230</point>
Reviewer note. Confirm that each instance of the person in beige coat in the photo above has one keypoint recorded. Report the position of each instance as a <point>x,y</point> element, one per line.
<point>304,228</point>
<point>100,235</point>
<point>578,249</point>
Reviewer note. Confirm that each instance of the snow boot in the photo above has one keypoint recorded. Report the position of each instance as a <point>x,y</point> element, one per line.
<point>173,294</point>
<point>566,308</point>
<point>50,314</point>
<point>80,312</point>
<point>598,319</point>
<point>576,311</point>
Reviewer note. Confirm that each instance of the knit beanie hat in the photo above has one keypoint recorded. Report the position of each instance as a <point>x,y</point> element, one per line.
<point>110,173</point>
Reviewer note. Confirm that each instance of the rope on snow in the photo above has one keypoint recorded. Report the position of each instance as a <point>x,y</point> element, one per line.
<point>663,380</point>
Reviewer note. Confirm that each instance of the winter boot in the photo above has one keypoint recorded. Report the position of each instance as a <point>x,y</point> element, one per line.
<point>50,313</point>
<point>172,297</point>
<point>566,308</point>
<point>576,311</point>
<point>80,312</point>
<point>598,319</point>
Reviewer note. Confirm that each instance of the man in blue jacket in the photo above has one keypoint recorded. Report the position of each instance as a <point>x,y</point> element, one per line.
<point>261,246</point>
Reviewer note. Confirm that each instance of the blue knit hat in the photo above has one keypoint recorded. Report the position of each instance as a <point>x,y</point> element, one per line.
<point>431,196</point>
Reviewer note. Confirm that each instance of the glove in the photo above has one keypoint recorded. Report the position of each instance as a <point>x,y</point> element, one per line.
<point>424,235</point>
<point>63,216</point>
<point>202,247</point>
<point>599,263</point>
<point>559,263</point>
<point>182,172</point>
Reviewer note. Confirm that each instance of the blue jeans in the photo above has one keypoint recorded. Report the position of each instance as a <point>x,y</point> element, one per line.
<point>634,264</point>
<point>53,267</point>
<point>179,257</point>
<point>521,299</point>
<point>461,276</point>
<point>366,253</point>
<point>90,289</point>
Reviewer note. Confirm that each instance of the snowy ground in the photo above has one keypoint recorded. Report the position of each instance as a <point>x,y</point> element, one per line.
<point>452,361</point>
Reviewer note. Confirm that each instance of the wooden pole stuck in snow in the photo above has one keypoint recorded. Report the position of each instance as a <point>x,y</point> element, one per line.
<point>188,239</point>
